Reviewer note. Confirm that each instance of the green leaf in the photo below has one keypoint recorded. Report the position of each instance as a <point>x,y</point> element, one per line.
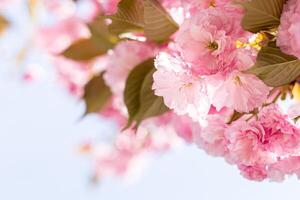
<point>159,25</point>
<point>129,18</point>
<point>96,94</point>
<point>274,67</point>
<point>97,45</point>
<point>262,14</point>
<point>139,97</point>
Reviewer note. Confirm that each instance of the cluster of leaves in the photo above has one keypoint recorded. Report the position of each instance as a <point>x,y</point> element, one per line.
<point>273,66</point>
<point>99,43</point>
<point>145,17</point>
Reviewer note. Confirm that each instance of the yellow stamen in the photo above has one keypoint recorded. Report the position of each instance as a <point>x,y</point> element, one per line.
<point>186,85</point>
<point>240,44</point>
<point>237,80</point>
<point>255,42</point>
<point>296,92</point>
<point>212,3</point>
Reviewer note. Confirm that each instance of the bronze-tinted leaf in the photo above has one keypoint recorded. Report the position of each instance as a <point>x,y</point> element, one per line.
<point>96,94</point>
<point>133,87</point>
<point>146,16</point>
<point>99,43</point>
<point>262,14</point>
<point>99,30</point>
<point>129,17</point>
<point>139,97</point>
<point>150,104</point>
<point>159,25</point>
<point>85,49</point>
<point>274,67</point>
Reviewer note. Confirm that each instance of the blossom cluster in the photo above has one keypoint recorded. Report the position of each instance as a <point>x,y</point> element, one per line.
<point>201,73</point>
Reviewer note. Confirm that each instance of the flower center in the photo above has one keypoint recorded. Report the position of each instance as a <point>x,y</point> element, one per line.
<point>237,81</point>
<point>186,85</point>
<point>212,3</point>
<point>213,46</point>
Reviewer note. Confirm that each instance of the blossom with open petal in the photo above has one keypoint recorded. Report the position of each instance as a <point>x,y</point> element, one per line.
<point>182,92</point>
<point>239,91</point>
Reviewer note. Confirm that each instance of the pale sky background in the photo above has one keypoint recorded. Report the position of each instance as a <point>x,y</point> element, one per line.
<point>39,131</point>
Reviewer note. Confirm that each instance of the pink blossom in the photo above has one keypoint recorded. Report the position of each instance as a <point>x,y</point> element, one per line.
<point>210,136</point>
<point>183,126</point>
<point>228,5</point>
<point>182,92</point>
<point>28,76</point>
<point>33,73</point>
<point>130,149</point>
<point>264,140</point>
<point>109,7</point>
<point>60,9</point>
<point>281,136</point>
<point>73,75</point>
<point>204,4</point>
<point>287,166</point>
<point>255,172</point>
<point>294,111</point>
<point>113,114</point>
<point>238,91</point>
<point>178,9</point>
<point>288,33</point>
<point>207,41</point>
<point>246,143</point>
<point>125,56</point>
<point>58,37</point>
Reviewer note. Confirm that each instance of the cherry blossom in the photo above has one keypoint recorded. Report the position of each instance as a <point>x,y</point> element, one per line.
<point>207,41</point>
<point>181,91</point>
<point>288,32</point>
<point>239,91</point>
